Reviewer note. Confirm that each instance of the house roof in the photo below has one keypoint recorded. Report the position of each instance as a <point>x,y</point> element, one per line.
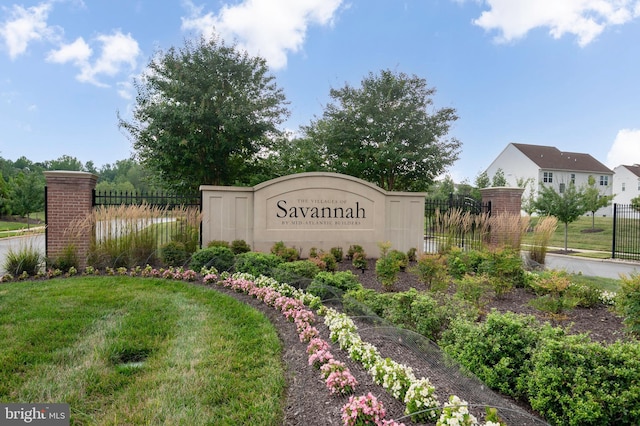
<point>635,169</point>
<point>551,158</point>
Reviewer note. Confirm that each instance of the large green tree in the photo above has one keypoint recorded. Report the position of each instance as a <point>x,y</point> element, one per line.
<point>386,132</point>
<point>202,114</point>
<point>566,207</point>
<point>27,193</point>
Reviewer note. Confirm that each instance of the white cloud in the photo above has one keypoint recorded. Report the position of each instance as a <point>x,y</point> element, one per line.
<point>625,149</point>
<point>77,52</point>
<point>586,19</point>
<point>25,26</point>
<point>118,51</point>
<point>268,28</point>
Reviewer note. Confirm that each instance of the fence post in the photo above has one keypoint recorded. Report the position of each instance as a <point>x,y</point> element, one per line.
<point>69,199</point>
<point>505,201</point>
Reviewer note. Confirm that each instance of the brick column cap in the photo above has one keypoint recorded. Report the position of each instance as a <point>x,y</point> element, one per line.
<point>63,174</point>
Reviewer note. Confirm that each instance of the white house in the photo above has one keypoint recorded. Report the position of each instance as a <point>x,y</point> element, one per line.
<point>536,165</point>
<point>626,184</point>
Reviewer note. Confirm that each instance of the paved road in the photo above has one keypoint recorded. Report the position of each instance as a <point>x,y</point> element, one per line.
<point>592,267</point>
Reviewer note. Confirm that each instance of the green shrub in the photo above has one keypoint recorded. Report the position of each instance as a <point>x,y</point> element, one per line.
<point>354,301</point>
<point>586,296</point>
<point>431,269</point>
<point>256,263</point>
<point>329,261</point>
<point>553,285</point>
<point>26,259</point>
<point>240,246</point>
<point>400,257</point>
<point>353,249</point>
<point>387,270</point>
<point>461,262</point>
<point>298,273</point>
<point>628,302</point>
<point>505,264</point>
<point>337,253</point>
<point>218,257</point>
<point>432,316</point>
<point>474,289</point>
<point>218,243</point>
<point>174,253</point>
<point>412,254</point>
<point>188,235</point>
<point>288,254</point>
<point>359,260</point>
<point>67,260</point>
<point>578,382</point>
<point>498,351</point>
<point>324,283</point>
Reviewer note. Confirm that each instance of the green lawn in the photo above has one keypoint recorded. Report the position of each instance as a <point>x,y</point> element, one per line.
<point>123,350</point>
<point>581,235</point>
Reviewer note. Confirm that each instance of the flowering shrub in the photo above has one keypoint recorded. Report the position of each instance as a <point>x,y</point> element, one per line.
<point>364,353</point>
<point>341,328</point>
<point>318,358</point>
<point>456,413</point>
<point>316,345</point>
<point>394,377</point>
<point>608,297</point>
<point>421,401</point>
<point>307,333</point>
<point>341,382</point>
<point>363,410</point>
<point>210,279</point>
<point>332,366</point>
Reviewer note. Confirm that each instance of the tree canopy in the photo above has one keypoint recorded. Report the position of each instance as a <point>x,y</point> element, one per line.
<point>382,132</point>
<point>203,112</point>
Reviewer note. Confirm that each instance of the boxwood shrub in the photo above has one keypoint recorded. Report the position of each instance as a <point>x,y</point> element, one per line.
<point>257,263</point>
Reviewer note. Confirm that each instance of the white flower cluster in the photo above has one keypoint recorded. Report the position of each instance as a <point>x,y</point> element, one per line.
<point>608,297</point>
<point>394,377</point>
<point>456,413</point>
<point>418,394</point>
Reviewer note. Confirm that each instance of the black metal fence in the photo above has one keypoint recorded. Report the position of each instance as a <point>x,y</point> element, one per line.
<point>132,228</point>
<point>626,232</point>
<point>457,221</point>
<point>117,198</point>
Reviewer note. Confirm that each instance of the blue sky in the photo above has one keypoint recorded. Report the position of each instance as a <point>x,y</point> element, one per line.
<point>564,73</point>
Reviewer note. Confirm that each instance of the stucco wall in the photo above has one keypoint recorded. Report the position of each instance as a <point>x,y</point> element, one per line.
<point>321,210</point>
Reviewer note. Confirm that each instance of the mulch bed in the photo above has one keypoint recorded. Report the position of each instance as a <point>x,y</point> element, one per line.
<point>309,403</point>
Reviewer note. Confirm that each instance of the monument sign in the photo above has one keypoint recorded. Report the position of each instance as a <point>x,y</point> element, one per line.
<point>321,210</point>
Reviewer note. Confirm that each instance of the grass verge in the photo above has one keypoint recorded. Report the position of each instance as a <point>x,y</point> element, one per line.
<point>123,350</point>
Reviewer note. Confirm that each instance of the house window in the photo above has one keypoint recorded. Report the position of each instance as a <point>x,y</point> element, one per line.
<point>623,186</point>
<point>561,188</point>
<point>573,179</point>
<point>604,180</point>
<point>547,177</point>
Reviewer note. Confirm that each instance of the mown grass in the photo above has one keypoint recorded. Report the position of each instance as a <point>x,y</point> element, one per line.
<point>580,234</point>
<point>123,350</point>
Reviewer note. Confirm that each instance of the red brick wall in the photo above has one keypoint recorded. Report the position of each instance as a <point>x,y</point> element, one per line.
<point>69,201</point>
<point>504,201</point>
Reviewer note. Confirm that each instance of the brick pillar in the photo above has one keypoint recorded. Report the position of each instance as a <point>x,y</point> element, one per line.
<point>69,201</point>
<point>506,206</point>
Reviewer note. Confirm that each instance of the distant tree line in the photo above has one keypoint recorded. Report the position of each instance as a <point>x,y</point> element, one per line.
<point>22,181</point>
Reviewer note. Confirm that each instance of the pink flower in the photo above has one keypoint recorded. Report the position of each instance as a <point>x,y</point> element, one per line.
<point>341,382</point>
